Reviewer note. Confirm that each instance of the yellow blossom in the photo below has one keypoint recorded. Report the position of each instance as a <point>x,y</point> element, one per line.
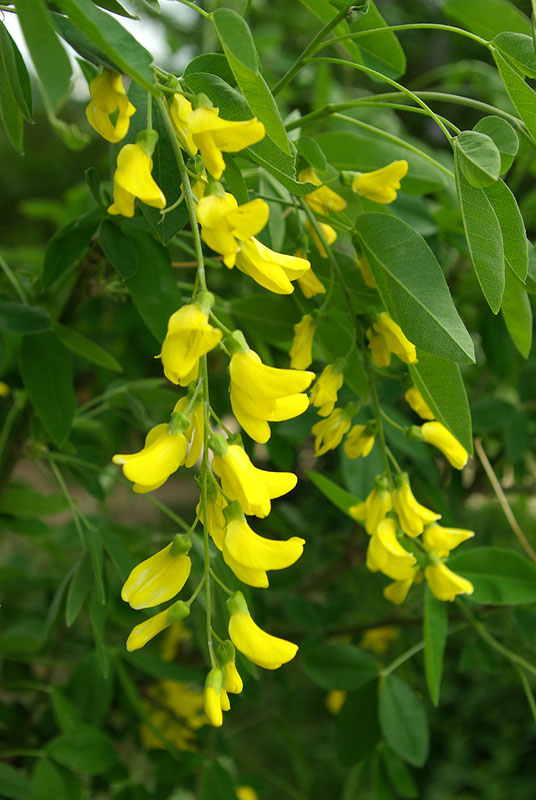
<point>375,508</point>
<point>194,432</point>
<point>366,272</point>
<point>269,652</point>
<point>377,640</point>
<point>395,339</point>
<point>411,514</point>
<point>335,701</point>
<point>158,578</point>
<point>381,355</point>
<point>381,184</point>
<point>179,111</point>
<point>233,681</point>
<point>324,199</point>
<point>397,591</point>
<point>224,223</point>
<point>246,793</point>
<point>4,389</point>
<point>189,336</point>
<point>252,487</point>
<point>439,540</point>
<point>216,523</point>
<point>260,393</point>
<point>302,344</point>
<point>436,434</point>
<point>171,644</point>
<point>329,431</point>
<point>274,271</point>
<point>416,401</point>
<point>108,95</point>
<point>329,235</point>
<point>386,554</point>
<point>175,710</point>
<point>359,442</point>
<point>309,283</point>
<point>161,456</point>
<point>132,178</point>
<point>147,630</point>
<point>212,697</point>
<point>324,392</point>
<point>446,584</point>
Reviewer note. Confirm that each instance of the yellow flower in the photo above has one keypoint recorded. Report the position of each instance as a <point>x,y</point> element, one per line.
<point>366,272</point>
<point>416,401</point>
<point>301,355</point>
<point>329,234</point>
<point>160,457</point>
<point>252,487</point>
<point>274,271</point>
<point>411,514</point>
<point>216,523</point>
<point>397,591</point>
<point>260,393</point>
<point>189,336</point>
<point>329,431</point>
<point>212,697</point>
<point>335,701</point>
<point>224,223</point>
<point>322,200</point>
<point>158,578</point>
<point>436,434</point>
<point>175,710</point>
<point>232,682</point>
<point>309,283</point>
<point>446,584</point>
<point>269,652</point>
<point>132,178</point>
<point>176,634</point>
<point>377,640</point>
<point>4,389</point>
<point>375,508</point>
<point>108,95</point>
<point>195,432</point>
<point>246,793</point>
<point>439,540</point>
<point>386,554</point>
<point>179,111</point>
<point>395,339</point>
<point>324,392</point>
<point>381,355</point>
<point>359,442</point>
<point>147,630</point>
<point>381,184</point>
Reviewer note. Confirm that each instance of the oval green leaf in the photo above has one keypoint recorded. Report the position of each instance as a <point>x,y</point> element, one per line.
<point>339,666</point>
<point>403,721</point>
<point>435,637</point>
<point>479,158</point>
<point>499,576</point>
<point>84,749</point>
<point>504,136</point>
<point>19,318</point>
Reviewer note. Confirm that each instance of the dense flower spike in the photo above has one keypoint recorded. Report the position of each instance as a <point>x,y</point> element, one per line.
<point>436,434</point>
<point>274,271</point>
<point>160,577</point>
<point>442,540</point>
<point>224,223</point>
<point>394,341</point>
<point>386,554</point>
<point>161,456</point>
<point>446,584</point>
<point>260,393</point>
<point>381,185</point>
<point>309,282</point>
<point>252,487</point>
<point>132,178</point>
<point>269,652</point>
<point>324,199</point>
<point>416,401</point>
<point>330,431</point>
<point>324,392</point>
<point>108,95</point>
<point>189,336</point>
<point>212,697</point>
<point>411,514</point>
<point>375,508</point>
<point>301,355</point>
<point>359,441</point>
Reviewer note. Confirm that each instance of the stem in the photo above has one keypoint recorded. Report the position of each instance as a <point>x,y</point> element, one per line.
<point>221,583</point>
<point>197,590</point>
<point>405,27</point>
<point>77,515</point>
<point>393,423</point>
<point>18,403</point>
<point>401,659</point>
<point>195,8</point>
<point>204,478</point>
<point>166,510</point>
<point>247,8</point>
<point>378,414</point>
<point>528,692</point>
<point>13,280</point>
<point>222,425</point>
<point>149,112</point>
<point>393,459</point>
<point>220,324</point>
<point>172,207</point>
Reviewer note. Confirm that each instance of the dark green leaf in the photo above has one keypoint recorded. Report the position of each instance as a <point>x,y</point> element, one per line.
<point>119,247</point>
<point>413,287</point>
<point>78,590</point>
<point>213,63</point>
<point>80,42</point>
<point>94,540</point>
<point>512,228</point>
<point>84,347</point>
<point>403,721</point>
<point>48,782</point>
<point>17,73</point>
<point>435,637</point>
<point>339,666</point>
<point>90,693</point>
<point>235,181</point>
<point>311,151</point>
<point>84,749</point>
<point>10,112</point>
<point>20,318</point>
<point>21,501</point>
<point>217,784</point>
<point>65,712</point>
<point>357,731</point>
<point>152,665</point>
<point>517,313</point>
<point>521,95</point>
<point>478,157</point>
<point>499,576</point>
<point>68,245</point>
<point>504,136</point>
<point>46,371</point>
<point>487,18</point>
<point>339,497</point>
<point>119,554</point>
<point>97,613</point>
<point>270,316</point>
<point>12,784</point>
<point>401,778</point>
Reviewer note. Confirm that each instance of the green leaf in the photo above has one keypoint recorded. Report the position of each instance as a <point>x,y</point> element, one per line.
<point>94,540</point>
<point>435,637</point>
<point>78,589</point>
<point>401,778</point>
<point>97,614</point>
<point>17,74</point>
<point>413,287</point>
<point>68,245</point>
<point>235,181</point>
<point>339,497</point>
<point>357,731</point>
<point>239,47</point>
<point>217,784</point>
<point>270,316</point>
<point>84,347</point>
<point>519,50</point>
<point>500,576</point>
<point>512,228</point>
<point>487,18</point>
<point>90,693</point>
<point>484,239</point>
<point>504,136</point>
<point>12,784</point>
<point>520,93</point>
<point>119,248</point>
<point>339,666</point>
<point>80,42</point>
<point>310,150</point>
<point>403,721</point>
<point>50,59</point>
<point>115,42</point>
<point>214,64</point>
<point>21,501</point>
<point>84,749</point>
<point>65,712</point>
<point>152,665</point>
<point>441,385</point>
<point>48,782</point>
<point>19,318</point>
<point>478,157</point>
<point>517,313</point>
<point>10,113</point>
<point>46,371</point>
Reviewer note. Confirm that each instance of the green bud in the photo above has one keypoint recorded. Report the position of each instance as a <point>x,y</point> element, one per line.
<point>204,301</point>
<point>350,410</point>
<point>356,11</point>
<point>237,604</point>
<point>181,544</point>
<point>202,101</point>
<point>179,423</point>
<point>433,559</point>
<point>235,439</point>
<point>225,653</point>
<point>214,679</point>
<point>347,176</point>
<point>218,445</point>
<point>176,612</point>
<point>415,432</point>
<point>401,479</point>
<point>339,365</point>
<point>172,82</point>
<point>236,343</point>
<point>198,165</point>
<point>381,484</point>
<point>147,140</point>
<point>233,511</point>
<point>216,188</point>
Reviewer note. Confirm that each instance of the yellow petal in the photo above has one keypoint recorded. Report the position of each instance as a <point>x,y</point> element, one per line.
<point>256,552</point>
<point>213,707</point>
<point>233,681</point>
<point>445,584</point>
<point>160,457</point>
<point>258,646</point>
<point>156,580</point>
<point>437,435</point>
<point>147,630</point>
<point>381,184</point>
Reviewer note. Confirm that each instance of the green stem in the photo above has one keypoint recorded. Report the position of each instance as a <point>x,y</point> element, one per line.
<point>220,324</point>
<point>12,278</point>
<point>405,27</point>
<point>394,461</point>
<point>220,582</point>
<point>143,384</point>
<point>528,692</point>
<point>166,510</point>
<point>195,8</point>
<point>222,425</point>
<point>172,207</point>
<point>402,107</point>
<point>149,111</point>
<point>76,514</point>
<point>402,659</point>
<point>18,403</point>
<point>378,414</point>
<point>197,590</point>
<point>204,504</point>
<point>394,424</point>
<point>247,8</point>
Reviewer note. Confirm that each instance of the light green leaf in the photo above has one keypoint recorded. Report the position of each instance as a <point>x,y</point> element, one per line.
<point>517,313</point>
<point>487,18</point>
<point>479,158</point>
<point>310,150</point>
<point>213,63</point>
<point>400,776</point>
<point>413,287</point>
<point>17,73</point>
<point>339,497</point>
<point>20,318</point>
<point>435,637</point>
<point>519,50</point>
<point>339,666</point>
<point>403,721</point>
<point>48,782</point>
<point>21,501</point>
<point>520,93</point>
<point>499,576</point>
<point>84,347</point>
<point>504,136</point>
<point>484,239</point>
<point>68,245</point>
<point>46,371</point>
<point>12,784</point>
<point>80,42</point>
<point>513,230</point>
<point>50,59</point>
<point>440,383</point>
<point>84,749</point>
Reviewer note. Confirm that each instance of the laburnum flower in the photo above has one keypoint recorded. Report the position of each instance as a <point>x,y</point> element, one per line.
<point>262,394</point>
<point>381,185</point>
<point>326,387</point>
<point>224,223</point>
<point>378,640</point>
<point>253,488</point>
<point>301,355</point>
<point>411,514</point>
<point>416,401</point>
<point>386,554</point>
<point>324,199</point>
<point>174,709</point>
<point>330,431</point>
<point>232,682</point>
<point>132,177</point>
<point>366,272</point>
<point>329,235</point>
<point>161,456</point>
<point>204,129</point>
<point>393,340</point>
<point>269,652</point>
<point>189,337</point>
<point>195,432</point>
<point>335,699</point>
<point>309,283</point>
<point>440,540</point>
<point>436,434</point>
<point>397,591</point>
<point>160,577</point>
<point>375,508</point>
<point>274,271</point>
<point>215,519</point>
<point>147,630</point>
<point>212,697</point>
<point>246,793</point>
<point>359,441</point>
<point>444,583</point>
<point>108,95</point>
